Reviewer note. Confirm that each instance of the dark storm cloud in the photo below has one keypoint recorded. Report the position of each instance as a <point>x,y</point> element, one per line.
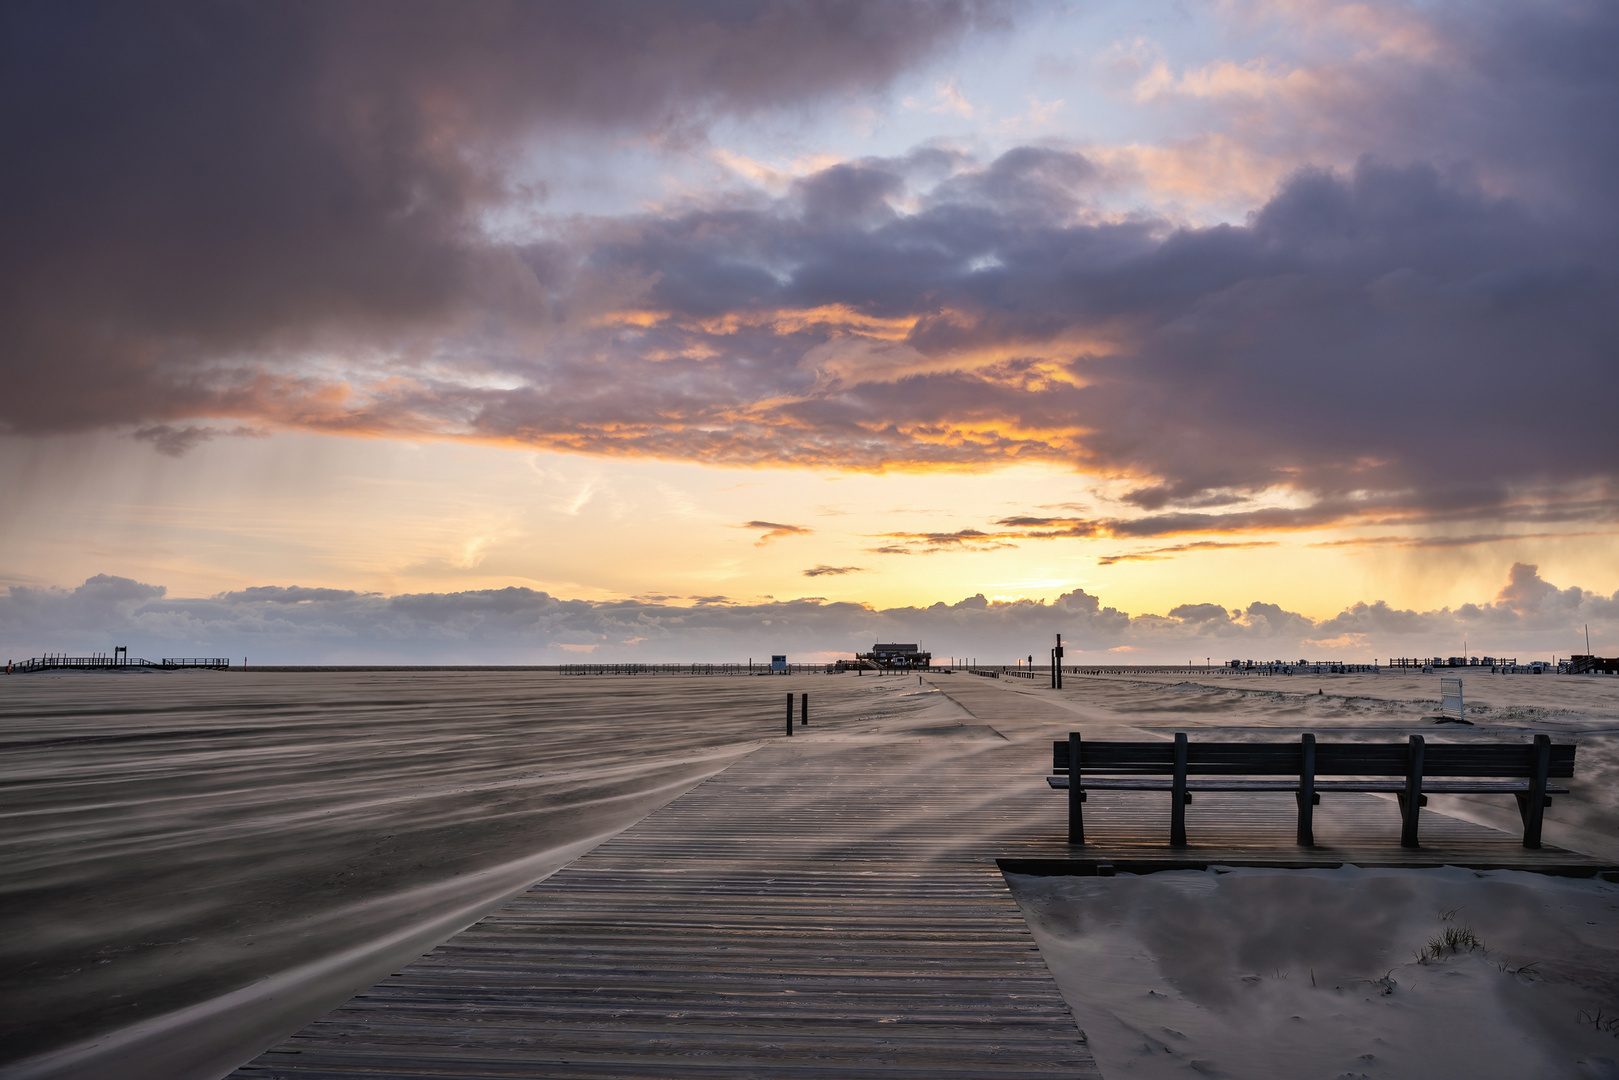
<point>179,441</point>
<point>1385,342</point>
<point>196,195</point>
<point>267,212</point>
<point>303,625</point>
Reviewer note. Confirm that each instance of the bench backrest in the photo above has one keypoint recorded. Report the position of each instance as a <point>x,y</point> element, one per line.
<point>1331,759</point>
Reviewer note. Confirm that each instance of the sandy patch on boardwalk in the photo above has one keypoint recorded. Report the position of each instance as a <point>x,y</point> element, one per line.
<point>1294,974</point>
<point>198,863</point>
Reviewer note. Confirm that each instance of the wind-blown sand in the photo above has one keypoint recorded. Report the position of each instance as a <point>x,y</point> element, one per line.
<point>197,863</point>
<point>1283,975</point>
<point>201,862</point>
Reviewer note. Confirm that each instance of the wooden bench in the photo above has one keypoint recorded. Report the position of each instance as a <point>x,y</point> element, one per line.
<point>1518,769</point>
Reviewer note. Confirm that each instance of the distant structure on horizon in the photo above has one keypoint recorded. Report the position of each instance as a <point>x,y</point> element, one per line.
<point>1301,667</point>
<point>118,661</point>
<point>893,655</point>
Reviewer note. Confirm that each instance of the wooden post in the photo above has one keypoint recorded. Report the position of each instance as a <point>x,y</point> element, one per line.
<point>789,713</point>
<point>803,710</point>
<point>1307,791</point>
<point>1411,799</point>
<point>1076,793</point>
<point>1178,800</point>
<point>1534,811</point>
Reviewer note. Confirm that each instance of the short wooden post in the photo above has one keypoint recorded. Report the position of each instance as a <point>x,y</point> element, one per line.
<point>1076,793</point>
<point>1535,812</point>
<point>1177,809</point>
<point>1411,800</point>
<point>789,713</point>
<point>803,710</point>
<point>1307,790</point>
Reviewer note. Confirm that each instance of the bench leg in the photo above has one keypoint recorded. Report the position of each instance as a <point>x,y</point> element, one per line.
<point>1076,793</point>
<point>1533,805</point>
<point>1177,799</point>
<point>1306,793</point>
<point>1307,805</point>
<point>1411,799</point>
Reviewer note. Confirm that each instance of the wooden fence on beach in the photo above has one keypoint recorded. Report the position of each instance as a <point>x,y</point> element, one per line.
<point>688,669</point>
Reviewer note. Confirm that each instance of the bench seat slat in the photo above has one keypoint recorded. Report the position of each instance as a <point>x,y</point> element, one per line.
<point>1442,787</point>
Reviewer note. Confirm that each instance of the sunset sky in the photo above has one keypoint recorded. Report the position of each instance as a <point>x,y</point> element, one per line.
<point>534,332</point>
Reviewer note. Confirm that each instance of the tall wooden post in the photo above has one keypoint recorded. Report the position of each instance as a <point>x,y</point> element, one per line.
<point>803,710</point>
<point>789,713</point>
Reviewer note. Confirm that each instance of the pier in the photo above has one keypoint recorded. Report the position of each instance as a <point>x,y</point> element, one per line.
<point>119,660</point>
<point>832,906</point>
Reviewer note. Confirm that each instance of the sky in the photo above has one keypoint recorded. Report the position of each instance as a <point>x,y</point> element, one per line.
<point>527,333</point>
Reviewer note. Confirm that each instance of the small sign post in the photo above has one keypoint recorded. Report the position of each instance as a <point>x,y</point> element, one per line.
<point>1450,699</point>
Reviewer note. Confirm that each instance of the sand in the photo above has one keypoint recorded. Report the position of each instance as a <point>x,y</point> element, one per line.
<point>198,863</point>
<point>1280,975</point>
<point>201,862</point>
<point>1285,975</point>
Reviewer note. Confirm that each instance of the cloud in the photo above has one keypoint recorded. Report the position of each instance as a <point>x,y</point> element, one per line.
<point>179,441</point>
<point>1445,541</point>
<point>928,543</point>
<point>1150,554</point>
<point>1414,325</point>
<point>289,624</point>
<point>296,594</point>
<point>1123,348</point>
<point>261,205</point>
<point>775,530</point>
<point>824,570</point>
<point>947,98</point>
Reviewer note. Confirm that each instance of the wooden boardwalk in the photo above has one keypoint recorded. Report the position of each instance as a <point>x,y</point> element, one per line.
<point>829,907</point>
<point>814,911</point>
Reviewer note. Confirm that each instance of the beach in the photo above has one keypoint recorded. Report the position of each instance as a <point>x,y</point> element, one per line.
<point>205,861</point>
<point>256,848</point>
